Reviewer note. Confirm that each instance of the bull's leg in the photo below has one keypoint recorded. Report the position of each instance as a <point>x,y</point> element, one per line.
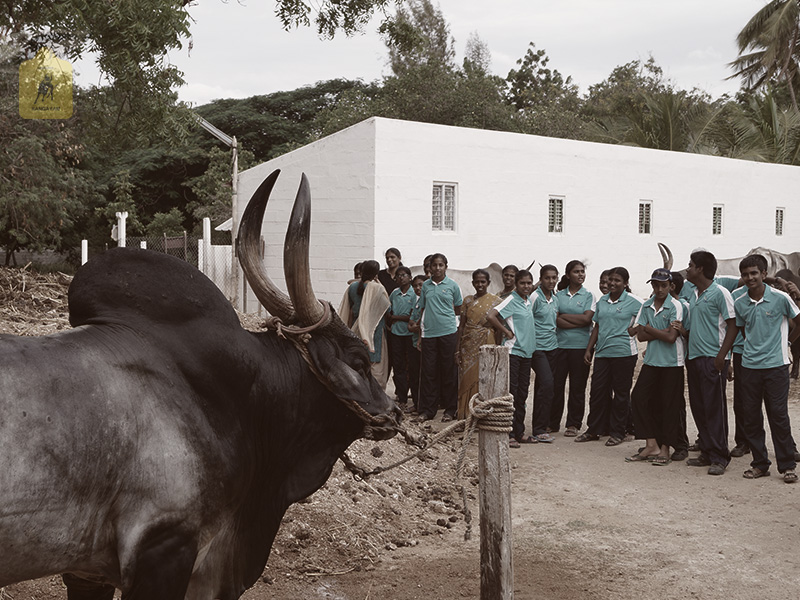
<point>83,589</point>
<point>163,566</point>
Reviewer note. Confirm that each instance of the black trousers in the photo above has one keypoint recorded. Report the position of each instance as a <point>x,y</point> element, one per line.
<point>543,364</point>
<point>519,381</point>
<point>438,376</point>
<point>709,407</point>
<point>773,386</point>
<point>400,349</point>
<point>656,404</point>
<point>738,399</point>
<point>610,396</point>
<point>569,363</point>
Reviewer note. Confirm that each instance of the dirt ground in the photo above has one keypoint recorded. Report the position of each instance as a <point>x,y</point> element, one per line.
<point>586,524</point>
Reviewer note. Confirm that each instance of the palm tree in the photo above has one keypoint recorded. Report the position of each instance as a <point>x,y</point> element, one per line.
<point>771,41</point>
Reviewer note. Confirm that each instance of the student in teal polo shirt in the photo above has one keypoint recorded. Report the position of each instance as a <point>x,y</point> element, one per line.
<point>763,314</point>
<point>403,299</point>
<point>658,393</point>
<point>576,307</point>
<point>439,306</point>
<point>712,331</point>
<point>520,334</point>
<point>615,351</point>
<point>545,314</point>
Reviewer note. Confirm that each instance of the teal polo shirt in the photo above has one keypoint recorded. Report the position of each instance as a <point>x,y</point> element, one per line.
<point>738,344</point>
<point>613,319</point>
<point>574,304</point>
<point>518,314</point>
<point>660,353</point>
<point>766,328</point>
<point>544,315</point>
<point>707,315</point>
<point>437,303</point>
<point>402,305</point>
<point>729,282</point>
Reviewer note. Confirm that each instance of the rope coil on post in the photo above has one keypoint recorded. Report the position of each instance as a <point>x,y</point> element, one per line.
<point>495,414</point>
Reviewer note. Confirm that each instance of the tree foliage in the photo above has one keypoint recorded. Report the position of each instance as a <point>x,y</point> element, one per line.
<point>769,48</point>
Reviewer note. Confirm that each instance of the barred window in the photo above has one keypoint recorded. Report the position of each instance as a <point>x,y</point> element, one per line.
<point>555,215</point>
<point>779,221</point>
<point>716,220</point>
<point>443,207</point>
<point>645,210</point>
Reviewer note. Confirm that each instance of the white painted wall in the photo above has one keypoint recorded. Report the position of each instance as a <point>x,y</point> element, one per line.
<point>505,181</point>
<point>371,186</point>
<point>341,172</point>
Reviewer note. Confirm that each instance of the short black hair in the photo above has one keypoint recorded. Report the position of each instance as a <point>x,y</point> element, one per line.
<point>706,261</point>
<point>677,281</point>
<point>753,260</point>
<point>483,272</point>
<point>402,269</point>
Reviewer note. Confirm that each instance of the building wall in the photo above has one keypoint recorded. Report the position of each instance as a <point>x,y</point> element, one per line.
<point>371,188</point>
<point>504,182</point>
<point>340,169</point>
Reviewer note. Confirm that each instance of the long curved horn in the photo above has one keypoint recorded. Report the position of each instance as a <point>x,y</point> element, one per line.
<point>666,255</point>
<point>295,258</point>
<point>248,242</point>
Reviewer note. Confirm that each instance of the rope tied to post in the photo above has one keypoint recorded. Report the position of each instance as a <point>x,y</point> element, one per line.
<point>495,414</point>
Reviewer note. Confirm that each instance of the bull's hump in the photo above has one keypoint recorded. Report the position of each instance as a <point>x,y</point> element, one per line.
<point>132,285</point>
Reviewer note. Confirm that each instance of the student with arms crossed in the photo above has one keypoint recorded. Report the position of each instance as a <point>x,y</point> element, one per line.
<point>658,393</point>
<point>763,314</point>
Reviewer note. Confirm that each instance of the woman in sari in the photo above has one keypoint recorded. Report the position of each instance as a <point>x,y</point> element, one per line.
<point>363,309</point>
<point>474,332</point>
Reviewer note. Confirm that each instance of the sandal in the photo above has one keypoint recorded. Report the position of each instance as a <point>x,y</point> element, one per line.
<point>528,439</point>
<point>661,461</point>
<point>613,441</point>
<point>640,458</point>
<point>756,473</point>
<point>570,432</point>
<point>587,437</point>
<point>512,443</point>
<point>789,476</point>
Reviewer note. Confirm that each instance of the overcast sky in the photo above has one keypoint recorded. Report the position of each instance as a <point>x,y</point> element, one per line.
<point>239,49</point>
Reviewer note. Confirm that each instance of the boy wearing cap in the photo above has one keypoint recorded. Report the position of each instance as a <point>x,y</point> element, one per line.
<point>658,393</point>
<point>763,314</point>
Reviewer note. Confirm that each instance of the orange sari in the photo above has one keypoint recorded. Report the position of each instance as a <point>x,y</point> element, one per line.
<point>476,333</point>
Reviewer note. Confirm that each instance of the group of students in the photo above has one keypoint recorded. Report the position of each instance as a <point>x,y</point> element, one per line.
<point>557,329</point>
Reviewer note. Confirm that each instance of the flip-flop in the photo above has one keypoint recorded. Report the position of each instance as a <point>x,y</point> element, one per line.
<point>528,439</point>
<point>512,443</point>
<point>789,476</point>
<point>661,461</point>
<point>640,458</point>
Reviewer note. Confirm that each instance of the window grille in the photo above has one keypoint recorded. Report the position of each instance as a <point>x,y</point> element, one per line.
<point>443,207</point>
<point>716,222</point>
<point>778,221</point>
<point>555,215</point>
<point>644,217</point>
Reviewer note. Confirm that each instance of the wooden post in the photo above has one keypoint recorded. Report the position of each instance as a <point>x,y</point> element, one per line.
<point>497,566</point>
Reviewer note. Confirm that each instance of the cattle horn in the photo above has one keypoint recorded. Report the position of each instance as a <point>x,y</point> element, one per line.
<point>248,242</point>
<point>666,255</point>
<point>295,258</point>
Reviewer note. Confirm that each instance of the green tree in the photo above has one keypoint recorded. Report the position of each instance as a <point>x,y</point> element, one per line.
<point>766,132</point>
<point>769,48</point>
<point>546,103</point>
<point>213,187</point>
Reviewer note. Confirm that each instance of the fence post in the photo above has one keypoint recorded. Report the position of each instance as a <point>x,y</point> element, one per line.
<point>494,476</point>
<point>143,244</point>
<point>121,238</point>
<point>84,251</point>
<point>205,247</point>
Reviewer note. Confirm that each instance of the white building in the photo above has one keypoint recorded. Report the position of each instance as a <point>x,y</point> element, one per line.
<point>489,196</point>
